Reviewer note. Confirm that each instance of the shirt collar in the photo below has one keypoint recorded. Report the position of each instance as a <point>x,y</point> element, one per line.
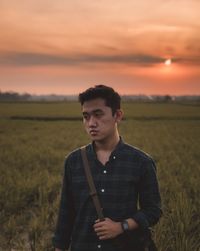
<point>118,147</point>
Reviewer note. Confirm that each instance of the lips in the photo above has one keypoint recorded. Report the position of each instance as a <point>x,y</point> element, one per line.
<point>92,132</point>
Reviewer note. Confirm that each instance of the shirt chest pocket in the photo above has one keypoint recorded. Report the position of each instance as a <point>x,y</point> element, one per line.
<point>124,188</point>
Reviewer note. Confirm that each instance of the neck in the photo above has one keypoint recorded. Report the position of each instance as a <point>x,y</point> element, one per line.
<point>107,144</point>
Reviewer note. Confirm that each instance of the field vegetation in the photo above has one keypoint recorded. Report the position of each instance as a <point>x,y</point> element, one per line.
<point>35,138</point>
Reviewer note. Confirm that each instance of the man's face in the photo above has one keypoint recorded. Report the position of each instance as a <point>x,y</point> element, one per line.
<point>98,119</point>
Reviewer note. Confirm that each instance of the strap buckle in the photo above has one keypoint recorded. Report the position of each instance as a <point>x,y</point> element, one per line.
<point>93,194</point>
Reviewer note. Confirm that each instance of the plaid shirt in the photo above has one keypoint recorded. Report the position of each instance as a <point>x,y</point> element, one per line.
<point>128,177</point>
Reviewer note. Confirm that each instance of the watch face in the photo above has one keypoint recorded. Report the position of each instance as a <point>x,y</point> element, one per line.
<point>125,225</point>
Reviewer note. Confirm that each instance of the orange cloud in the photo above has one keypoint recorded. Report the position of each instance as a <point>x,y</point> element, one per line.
<point>49,46</point>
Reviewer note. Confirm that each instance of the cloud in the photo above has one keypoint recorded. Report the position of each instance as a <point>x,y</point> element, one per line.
<point>32,59</point>
<point>188,60</point>
<point>37,59</point>
<point>24,59</point>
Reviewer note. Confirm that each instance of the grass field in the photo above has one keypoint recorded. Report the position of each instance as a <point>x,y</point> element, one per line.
<point>35,138</point>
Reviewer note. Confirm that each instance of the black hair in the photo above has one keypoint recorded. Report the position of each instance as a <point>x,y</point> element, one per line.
<point>112,98</point>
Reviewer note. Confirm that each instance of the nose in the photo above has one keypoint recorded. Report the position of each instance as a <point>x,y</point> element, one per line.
<point>92,122</point>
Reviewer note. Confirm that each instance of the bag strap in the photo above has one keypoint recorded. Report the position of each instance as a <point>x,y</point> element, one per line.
<point>93,191</point>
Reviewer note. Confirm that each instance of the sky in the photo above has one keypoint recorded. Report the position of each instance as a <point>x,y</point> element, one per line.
<point>64,47</point>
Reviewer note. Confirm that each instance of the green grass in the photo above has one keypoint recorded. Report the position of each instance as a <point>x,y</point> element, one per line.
<point>31,165</point>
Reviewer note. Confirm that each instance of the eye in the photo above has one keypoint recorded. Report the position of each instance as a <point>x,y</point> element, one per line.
<point>98,114</point>
<point>86,116</point>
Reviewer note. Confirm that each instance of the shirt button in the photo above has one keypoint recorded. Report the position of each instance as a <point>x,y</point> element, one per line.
<point>102,190</point>
<point>114,157</point>
<point>104,171</point>
<point>99,246</point>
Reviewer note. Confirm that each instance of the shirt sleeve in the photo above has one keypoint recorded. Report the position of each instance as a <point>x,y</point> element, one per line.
<point>149,196</point>
<point>66,215</point>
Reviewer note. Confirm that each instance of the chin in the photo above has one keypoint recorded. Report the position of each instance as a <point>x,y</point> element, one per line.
<point>96,138</point>
<point>99,139</point>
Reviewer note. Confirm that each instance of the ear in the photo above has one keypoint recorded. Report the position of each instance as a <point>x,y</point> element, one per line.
<point>118,115</point>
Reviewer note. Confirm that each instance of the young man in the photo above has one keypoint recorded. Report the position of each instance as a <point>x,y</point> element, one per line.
<point>122,175</point>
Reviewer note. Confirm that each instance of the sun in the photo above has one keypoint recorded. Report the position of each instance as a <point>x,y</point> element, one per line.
<point>168,62</point>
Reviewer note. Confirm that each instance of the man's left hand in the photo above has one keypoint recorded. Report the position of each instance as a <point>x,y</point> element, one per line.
<point>107,229</point>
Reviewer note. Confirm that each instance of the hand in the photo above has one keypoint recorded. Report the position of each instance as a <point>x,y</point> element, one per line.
<point>107,229</point>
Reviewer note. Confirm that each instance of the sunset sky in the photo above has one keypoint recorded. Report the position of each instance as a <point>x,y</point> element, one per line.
<point>63,47</point>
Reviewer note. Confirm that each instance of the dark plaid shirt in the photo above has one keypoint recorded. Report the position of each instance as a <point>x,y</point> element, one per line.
<point>128,176</point>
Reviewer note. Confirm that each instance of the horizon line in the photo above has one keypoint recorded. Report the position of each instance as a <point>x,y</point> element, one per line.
<point>74,95</point>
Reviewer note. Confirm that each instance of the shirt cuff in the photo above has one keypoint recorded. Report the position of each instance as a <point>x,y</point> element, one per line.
<point>141,220</point>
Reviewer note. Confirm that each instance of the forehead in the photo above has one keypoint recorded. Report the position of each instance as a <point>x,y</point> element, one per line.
<point>94,104</point>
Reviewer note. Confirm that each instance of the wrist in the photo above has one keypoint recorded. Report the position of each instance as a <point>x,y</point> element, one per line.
<point>132,224</point>
<point>125,225</point>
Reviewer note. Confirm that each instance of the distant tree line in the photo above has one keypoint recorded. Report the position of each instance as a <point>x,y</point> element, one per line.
<point>14,96</point>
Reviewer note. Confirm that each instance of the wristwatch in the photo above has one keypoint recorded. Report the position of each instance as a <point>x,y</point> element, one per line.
<point>125,225</point>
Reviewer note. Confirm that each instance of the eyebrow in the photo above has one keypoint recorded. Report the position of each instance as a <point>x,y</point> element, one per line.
<point>93,111</point>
